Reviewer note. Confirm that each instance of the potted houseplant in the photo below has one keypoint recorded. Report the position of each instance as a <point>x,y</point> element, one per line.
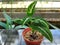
<point>8,26</point>
<point>38,27</point>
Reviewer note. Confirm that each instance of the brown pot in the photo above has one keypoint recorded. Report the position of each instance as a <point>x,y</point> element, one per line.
<point>31,42</point>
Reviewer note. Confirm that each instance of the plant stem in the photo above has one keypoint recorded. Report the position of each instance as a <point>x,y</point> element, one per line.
<point>31,29</point>
<point>7,26</point>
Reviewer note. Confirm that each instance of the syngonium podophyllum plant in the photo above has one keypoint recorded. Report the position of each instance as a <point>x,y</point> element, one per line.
<point>36,23</point>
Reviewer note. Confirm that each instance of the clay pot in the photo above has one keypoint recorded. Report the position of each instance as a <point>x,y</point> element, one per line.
<point>28,42</point>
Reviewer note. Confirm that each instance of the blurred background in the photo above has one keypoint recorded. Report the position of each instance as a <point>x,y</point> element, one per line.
<point>48,9</point>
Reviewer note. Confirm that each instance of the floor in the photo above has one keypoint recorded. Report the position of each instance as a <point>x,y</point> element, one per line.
<point>18,40</point>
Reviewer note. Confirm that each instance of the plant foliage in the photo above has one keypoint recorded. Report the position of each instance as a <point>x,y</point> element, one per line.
<point>9,22</point>
<point>31,9</point>
<point>38,24</point>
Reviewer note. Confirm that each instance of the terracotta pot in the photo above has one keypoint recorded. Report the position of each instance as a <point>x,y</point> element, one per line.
<point>31,42</point>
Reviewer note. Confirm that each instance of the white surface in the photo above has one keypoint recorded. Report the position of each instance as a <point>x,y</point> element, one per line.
<point>56,36</point>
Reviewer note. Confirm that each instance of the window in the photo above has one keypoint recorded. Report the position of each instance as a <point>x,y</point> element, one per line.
<point>24,4</point>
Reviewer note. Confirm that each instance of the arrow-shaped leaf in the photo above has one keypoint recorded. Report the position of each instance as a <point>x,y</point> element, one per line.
<point>31,8</point>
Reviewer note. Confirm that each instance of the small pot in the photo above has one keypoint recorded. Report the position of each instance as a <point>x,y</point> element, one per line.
<point>31,42</point>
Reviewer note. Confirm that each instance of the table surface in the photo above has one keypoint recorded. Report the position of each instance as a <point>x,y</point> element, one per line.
<point>18,39</point>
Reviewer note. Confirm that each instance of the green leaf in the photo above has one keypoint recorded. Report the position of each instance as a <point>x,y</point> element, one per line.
<point>8,18</point>
<point>43,32</point>
<point>26,20</point>
<point>46,33</point>
<point>41,23</point>
<point>20,26</point>
<point>48,25</point>
<point>31,8</point>
<point>18,21</point>
<point>44,20</point>
<point>3,24</point>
